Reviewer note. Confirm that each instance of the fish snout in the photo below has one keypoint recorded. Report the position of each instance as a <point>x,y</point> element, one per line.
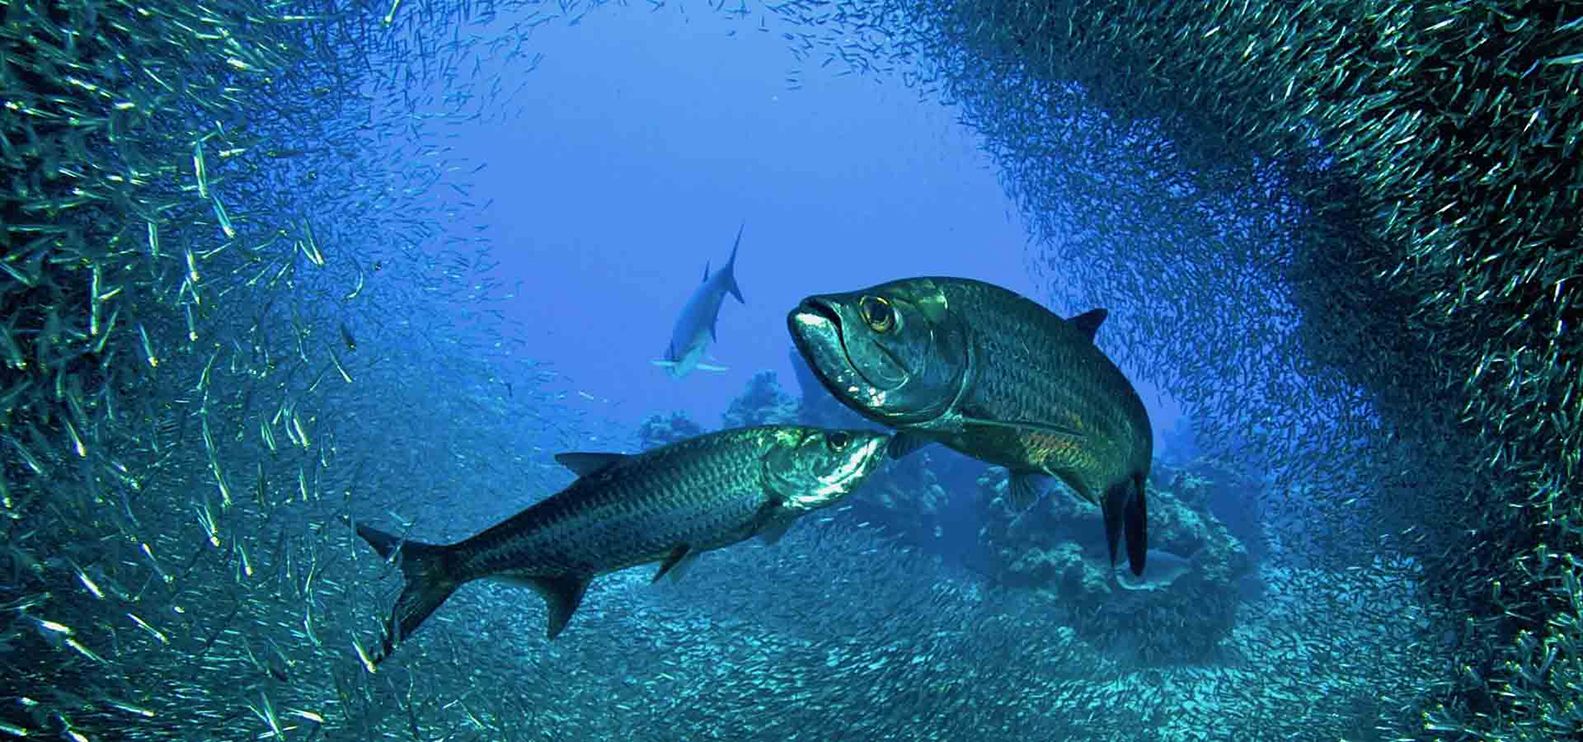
<point>816,312</point>
<point>873,451</point>
<point>868,447</point>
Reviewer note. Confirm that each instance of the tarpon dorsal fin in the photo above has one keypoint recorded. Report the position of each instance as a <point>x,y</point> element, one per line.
<point>676,557</point>
<point>1089,321</point>
<point>584,463</point>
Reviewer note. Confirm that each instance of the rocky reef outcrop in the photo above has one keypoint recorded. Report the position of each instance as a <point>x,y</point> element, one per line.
<point>763,402</point>
<point>659,430</point>
<point>1179,610</point>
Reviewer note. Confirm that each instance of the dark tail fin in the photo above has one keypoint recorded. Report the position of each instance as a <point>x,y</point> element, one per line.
<point>730,271</point>
<point>427,582</point>
<point>1126,514</point>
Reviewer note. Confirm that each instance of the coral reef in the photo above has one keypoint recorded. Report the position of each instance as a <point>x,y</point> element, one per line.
<point>906,497</point>
<point>1229,494</point>
<point>763,402</point>
<point>1058,549</point>
<point>659,430</point>
<point>816,406</point>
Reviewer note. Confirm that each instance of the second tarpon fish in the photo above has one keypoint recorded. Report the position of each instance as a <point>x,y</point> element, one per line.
<point>666,505</point>
<point>695,327</point>
<point>996,376</point>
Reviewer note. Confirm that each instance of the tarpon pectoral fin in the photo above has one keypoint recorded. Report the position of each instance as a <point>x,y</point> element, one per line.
<point>583,463</point>
<point>906,442</point>
<point>1090,321</point>
<point>1022,492</point>
<point>671,560</point>
<point>562,595</point>
<point>1024,426</point>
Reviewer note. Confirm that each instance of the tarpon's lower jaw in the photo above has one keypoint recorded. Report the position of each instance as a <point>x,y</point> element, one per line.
<point>859,465</point>
<point>816,330</point>
<point>872,456</point>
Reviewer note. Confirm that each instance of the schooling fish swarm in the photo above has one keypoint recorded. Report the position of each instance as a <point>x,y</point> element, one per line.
<point>201,200</point>
<point>176,310</point>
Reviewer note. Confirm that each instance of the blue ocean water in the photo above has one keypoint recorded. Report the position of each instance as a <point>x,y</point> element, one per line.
<point>275,272</point>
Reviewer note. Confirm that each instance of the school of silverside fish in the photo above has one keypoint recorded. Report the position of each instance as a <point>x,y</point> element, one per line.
<point>1346,236</point>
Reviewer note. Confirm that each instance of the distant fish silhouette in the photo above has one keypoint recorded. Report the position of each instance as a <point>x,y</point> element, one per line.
<point>695,328</point>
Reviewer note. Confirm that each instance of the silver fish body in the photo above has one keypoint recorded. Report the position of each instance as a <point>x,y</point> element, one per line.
<point>993,375</point>
<point>666,505</point>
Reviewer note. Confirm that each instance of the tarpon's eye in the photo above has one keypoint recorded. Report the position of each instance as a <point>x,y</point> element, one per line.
<point>877,313</point>
<point>838,439</point>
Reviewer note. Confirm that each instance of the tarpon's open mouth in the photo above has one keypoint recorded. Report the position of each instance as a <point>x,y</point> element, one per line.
<point>812,318</point>
<point>817,332</point>
<point>812,308</point>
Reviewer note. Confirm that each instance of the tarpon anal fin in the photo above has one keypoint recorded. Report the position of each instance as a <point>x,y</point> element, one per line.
<point>906,442</point>
<point>672,559</point>
<point>1127,521</point>
<point>561,595</point>
<point>1090,321</point>
<point>772,531</point>
<point>682,567</point>
<point>1022,491</point>
<point>584,463</point>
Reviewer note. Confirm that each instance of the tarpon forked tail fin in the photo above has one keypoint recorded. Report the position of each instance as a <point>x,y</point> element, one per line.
<point>1126,514</point>
<point>730,271</point>
<point>427,581</point>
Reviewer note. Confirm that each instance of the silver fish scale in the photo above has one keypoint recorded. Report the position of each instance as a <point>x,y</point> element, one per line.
<point>703,493</point>
<point>1034,367</point>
